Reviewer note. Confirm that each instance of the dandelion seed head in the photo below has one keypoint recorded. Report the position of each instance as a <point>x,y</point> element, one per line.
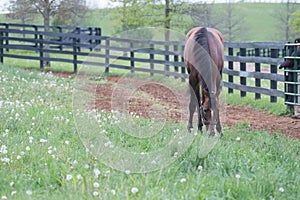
<point>43,140</point>
<point>281,189</point>
<point>113,192</point>
<point>68,177</point>
<point>13,193</point>
<point>79,177</point>
<point>96,184</point>
<point>134,190</point>
<point>182,180</point>
<point>95,193</point>
<point>11,184</point>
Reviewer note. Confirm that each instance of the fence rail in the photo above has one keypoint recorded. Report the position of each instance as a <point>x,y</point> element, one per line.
<point>245,62</point>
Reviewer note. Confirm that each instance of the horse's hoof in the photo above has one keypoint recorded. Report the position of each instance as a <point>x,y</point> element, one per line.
<point>200,129</point>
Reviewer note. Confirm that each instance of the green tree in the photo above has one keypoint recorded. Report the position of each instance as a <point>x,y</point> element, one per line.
<point>202,14</point>
<point>295,23</point>
<point>21,10</point>
<point>285,20</point>
<point>129,14</point>
<point>231,24</point>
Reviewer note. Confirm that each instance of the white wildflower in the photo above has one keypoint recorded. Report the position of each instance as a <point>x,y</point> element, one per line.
<point>95,193</point>
<point>134,190</point>
<point>5,160</point>
<point>96,172</point>
<point>113,192</point>
<point>43,140</point>
<point>69,177</point>
<point>281,189</point>
<point>96,184</point>
<point>200,168</point>
<point>182,180</point>
<point>79,177</point>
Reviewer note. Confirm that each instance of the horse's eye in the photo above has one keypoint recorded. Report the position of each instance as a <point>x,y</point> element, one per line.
<point>205,110</point>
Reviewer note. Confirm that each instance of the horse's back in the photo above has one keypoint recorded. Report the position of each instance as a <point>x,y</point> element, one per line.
<point>216,43</point>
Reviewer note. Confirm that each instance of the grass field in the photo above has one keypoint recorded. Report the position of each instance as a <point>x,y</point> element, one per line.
<point>42,153</point>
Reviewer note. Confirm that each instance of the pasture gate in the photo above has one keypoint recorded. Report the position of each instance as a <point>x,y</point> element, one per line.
<point>250,67</point>
<point>292,81</point>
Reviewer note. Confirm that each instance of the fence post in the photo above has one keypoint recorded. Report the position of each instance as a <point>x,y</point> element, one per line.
<point>1,47</point>
<point>243,80</point>
<point>230,66</point>
<point>167,59</point>
<point>176,59</point>
<point>90,40</point>
<point>182,68</point>
<point>98,33</point>
<point>41,52</point>
<point>6,35</point>
<point>107,44</point>
<point>60,38</point>
<point>257,69</point>
<point>75,54</point>
<point>78,30</point>
<point>151,56</point>
<point>131,58</point>
<point>35,35</point>
<point>274,54</point>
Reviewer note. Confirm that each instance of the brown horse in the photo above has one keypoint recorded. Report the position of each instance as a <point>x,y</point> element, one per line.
<point>204,58</point>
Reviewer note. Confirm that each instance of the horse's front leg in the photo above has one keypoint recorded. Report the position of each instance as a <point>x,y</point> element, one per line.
<point>200,124</point>
<point>219,127</point>
<point>192,108</point>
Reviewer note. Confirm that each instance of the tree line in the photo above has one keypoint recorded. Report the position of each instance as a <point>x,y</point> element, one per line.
<point>170,14</point>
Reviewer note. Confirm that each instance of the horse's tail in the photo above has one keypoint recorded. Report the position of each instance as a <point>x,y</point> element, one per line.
<point>201,37</point>
<point>205,65</point>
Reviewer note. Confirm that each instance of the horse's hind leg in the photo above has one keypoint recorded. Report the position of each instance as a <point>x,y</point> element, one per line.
<point>194,103</point>
<point>192,108</point>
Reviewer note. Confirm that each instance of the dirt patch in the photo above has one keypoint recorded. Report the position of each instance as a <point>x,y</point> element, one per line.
<point>145,97</point>
<point>155,100</point>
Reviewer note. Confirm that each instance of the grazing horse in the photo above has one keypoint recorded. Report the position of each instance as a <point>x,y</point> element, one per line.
<point>204,58</point>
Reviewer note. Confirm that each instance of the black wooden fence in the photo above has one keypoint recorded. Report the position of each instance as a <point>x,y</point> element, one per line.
<point>257,66</point>
<point>245,62</point>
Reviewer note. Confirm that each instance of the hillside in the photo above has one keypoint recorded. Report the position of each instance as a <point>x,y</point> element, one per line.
<point>259,19</point>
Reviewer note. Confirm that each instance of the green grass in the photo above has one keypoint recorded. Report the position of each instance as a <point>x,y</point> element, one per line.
<point>43,155</point>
